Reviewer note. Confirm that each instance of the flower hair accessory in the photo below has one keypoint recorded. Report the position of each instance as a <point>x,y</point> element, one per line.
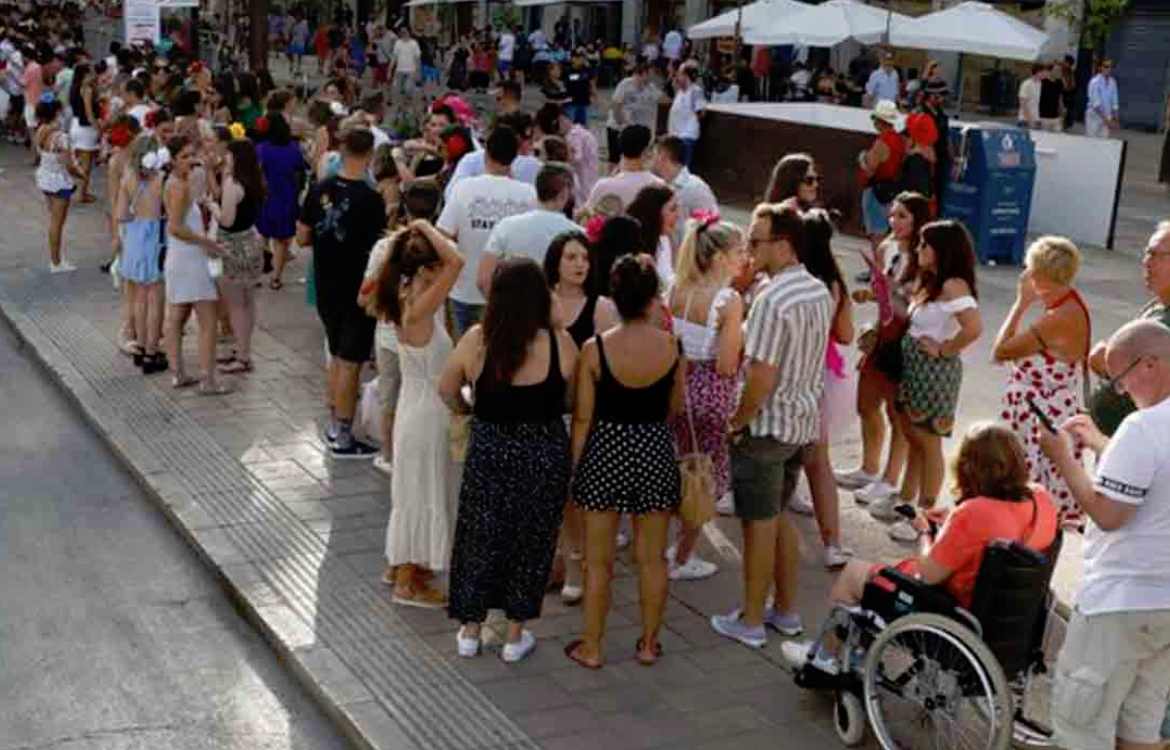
<point>237,131</point>
<point>120,136</point>
<point>594,226</point>
<point>705,218</point>
<point>195,68</point>
<point>338,109</point>
<point>261,125</point>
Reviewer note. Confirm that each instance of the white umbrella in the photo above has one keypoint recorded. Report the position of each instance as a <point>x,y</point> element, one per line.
<point>753,14</point>
<point>827,25</point>
<point>972,27</point>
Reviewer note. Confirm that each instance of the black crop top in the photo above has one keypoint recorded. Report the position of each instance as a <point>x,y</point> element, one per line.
<point>620,403</point>
<point>582,329</point>
<point>505,403</point>
<point>246,211</point>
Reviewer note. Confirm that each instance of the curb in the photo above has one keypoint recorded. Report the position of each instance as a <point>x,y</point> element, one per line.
<point>359,713</point>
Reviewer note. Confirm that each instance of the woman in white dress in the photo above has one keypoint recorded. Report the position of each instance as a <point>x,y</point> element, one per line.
<point>188,275</point>
<point>412,288</point>
<point>54,177</point>
<point>83,131</point>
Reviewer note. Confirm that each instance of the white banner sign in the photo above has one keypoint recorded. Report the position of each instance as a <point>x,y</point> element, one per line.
<point>142,21</point>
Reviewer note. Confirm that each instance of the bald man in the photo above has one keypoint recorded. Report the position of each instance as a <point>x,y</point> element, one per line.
<point>1113,674</point>
<point>1107,406</point>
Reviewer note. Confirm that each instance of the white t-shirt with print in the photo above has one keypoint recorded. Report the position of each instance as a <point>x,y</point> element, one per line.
<point>507,46</point>
<point>1129,569</point>
<point>477,204</point>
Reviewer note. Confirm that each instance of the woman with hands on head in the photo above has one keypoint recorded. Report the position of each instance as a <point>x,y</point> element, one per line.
<point>189,283</point>
<point>1049,358</point>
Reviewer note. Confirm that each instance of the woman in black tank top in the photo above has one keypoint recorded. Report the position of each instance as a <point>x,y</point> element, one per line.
<point>516,475</point>
<point>630,381</point>
<point>243,256</point>
<point>581,310</point>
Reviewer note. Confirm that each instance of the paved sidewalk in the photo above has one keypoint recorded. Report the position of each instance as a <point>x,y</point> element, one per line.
<point>298,539</point>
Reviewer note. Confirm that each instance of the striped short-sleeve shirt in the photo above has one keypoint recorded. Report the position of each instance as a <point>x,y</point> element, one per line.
<point>788,328</point>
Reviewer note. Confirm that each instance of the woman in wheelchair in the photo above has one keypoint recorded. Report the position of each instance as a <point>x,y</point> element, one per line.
<point>994,502</point>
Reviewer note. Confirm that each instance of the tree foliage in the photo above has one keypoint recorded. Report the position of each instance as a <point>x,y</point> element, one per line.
<point>1093,19</point>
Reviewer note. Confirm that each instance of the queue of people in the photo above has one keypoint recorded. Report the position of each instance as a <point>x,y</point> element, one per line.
<point>551,344</point>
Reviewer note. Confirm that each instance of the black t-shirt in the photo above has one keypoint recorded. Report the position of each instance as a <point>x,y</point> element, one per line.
<point>1050,92</point>
<point>347,217</point>
<point>577,85</point>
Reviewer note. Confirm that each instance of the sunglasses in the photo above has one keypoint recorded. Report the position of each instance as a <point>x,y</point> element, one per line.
<point>811,179</point>
<point>1115,384</point>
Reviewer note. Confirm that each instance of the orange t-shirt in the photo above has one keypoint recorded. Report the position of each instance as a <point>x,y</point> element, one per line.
<point>976,522</point>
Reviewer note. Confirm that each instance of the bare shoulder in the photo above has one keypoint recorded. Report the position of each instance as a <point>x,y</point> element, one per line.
<point>954,288</point>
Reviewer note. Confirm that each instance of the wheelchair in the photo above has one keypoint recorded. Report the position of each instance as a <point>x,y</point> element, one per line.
<point>928,673</point>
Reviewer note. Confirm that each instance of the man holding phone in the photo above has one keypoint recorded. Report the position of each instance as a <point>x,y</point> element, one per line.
<point>1113,673</point>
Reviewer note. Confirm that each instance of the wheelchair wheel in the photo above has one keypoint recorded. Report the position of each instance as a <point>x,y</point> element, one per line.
<point>849,719</point>
<point>930,682</point>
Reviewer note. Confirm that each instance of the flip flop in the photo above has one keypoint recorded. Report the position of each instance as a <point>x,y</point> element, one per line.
<point>219,389</point>
<point>571,652</point>
<point>236,366</point>
<point>276,285</point>
<point>226,358</point>
<point>643,660</point>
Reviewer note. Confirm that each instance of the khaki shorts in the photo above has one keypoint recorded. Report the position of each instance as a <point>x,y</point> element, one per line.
<point>763,475</point>
<point>1112,680</point>
<point>389,379</point>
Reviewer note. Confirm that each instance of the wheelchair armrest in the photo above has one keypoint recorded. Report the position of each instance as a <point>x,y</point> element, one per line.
<point>893,594</point>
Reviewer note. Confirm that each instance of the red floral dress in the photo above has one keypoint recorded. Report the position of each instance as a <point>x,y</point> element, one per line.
<point>1056,388</point>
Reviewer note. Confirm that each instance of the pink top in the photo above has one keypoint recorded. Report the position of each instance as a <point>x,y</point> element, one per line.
<point>583,158</point>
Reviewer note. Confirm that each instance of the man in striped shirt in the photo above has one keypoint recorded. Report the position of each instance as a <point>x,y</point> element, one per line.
<point>778,418</point>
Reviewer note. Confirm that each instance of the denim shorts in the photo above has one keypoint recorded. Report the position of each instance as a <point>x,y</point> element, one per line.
<point>874,214</point>
<point>763,476</point>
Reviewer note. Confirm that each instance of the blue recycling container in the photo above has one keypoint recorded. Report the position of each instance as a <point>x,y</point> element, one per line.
<point>992,191</point>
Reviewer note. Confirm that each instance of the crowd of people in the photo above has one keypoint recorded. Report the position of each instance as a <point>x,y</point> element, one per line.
<point>572,358</point>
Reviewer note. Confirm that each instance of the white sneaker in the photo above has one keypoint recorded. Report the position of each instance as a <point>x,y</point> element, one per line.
<point>801,501</point>
<point>62,267</point>
<point>836,556</point>
<point>514,652</point>
<point>798,654</point>
<point>883,509</point>
<point>383,465</point>
<point>904,531</point>
<point>873,492</point>
<point>694,569</point>
<point>856,479</point>
<point>725,506</point>
<point>468,647</point>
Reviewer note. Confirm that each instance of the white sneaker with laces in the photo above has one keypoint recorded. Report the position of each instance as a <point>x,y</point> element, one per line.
<point>468,647</point>
<point>883,509</point>
<point>798,654</point>
<point>62,267</point>
<point>725,506</point>
<point>694,569</point>
<point>514,652</point>
<point>856,479</point>
<point>873,492</point>
<point>904,531</point>
<point>837,556</point>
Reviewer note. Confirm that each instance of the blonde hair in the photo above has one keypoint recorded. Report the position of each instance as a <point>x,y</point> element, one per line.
<point>702,243</point>
<point>1054,259</point>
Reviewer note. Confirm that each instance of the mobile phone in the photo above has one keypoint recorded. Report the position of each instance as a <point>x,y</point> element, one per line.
<point>1044,418</point>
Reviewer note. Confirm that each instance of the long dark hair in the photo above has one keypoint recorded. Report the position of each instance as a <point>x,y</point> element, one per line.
<point>786,178</point>
<point>519,305</point>
<point>556,251</point>
<point>619,235</point>
<point>246,169</point>
<point>410,252</point>
<point>80,71</point>
<point>816,252</point>
<point>918,206</point>
<point>954,255</point>
<point>647,208</point>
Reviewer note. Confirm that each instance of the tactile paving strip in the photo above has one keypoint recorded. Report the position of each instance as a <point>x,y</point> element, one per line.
<point>434,706</point>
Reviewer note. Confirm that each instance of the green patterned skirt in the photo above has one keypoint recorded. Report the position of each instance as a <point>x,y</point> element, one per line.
<point>929,391</point>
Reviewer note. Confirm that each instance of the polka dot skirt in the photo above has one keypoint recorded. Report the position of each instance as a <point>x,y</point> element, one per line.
<point>628,468</point>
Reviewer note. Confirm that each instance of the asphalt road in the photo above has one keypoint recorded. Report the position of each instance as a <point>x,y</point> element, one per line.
<point>112,634</point>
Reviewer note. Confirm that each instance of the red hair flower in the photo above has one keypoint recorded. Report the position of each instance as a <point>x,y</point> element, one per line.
<point>261,125</point>
<point>120,136</point>
<point>456,146</point>
<point>151,119</point>
<point>195,68</point>
<point>593,228</point>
